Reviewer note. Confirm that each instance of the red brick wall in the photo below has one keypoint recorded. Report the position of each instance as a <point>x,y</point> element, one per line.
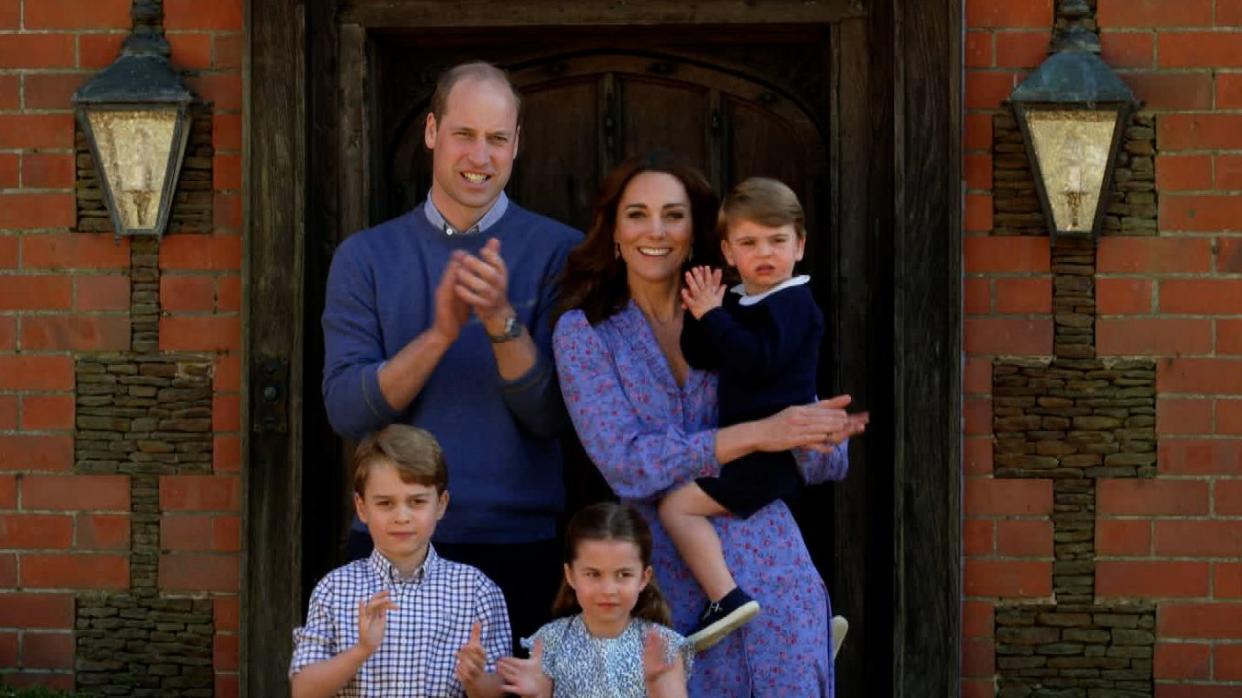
<point>1175,297</point>
<point>63,294</point>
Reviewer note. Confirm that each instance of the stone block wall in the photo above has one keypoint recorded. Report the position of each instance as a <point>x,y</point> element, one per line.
<point>144,416</point>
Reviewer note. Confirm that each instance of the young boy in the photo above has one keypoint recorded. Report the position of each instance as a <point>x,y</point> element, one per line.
<point>449,621</point>
<point>763,337</point>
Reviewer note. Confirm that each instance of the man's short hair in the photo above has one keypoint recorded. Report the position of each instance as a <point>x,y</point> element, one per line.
<point>476,70</point>
<point>414,452</point>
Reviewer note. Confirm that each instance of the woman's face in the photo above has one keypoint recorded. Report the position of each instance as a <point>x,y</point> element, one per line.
<point>653,228</point>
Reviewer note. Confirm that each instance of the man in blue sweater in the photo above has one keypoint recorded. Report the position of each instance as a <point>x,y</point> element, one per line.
<point>440,319</point>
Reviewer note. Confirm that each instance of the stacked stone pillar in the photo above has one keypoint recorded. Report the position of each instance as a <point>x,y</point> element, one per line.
<point>1074,419</point>
<point>144,414</point>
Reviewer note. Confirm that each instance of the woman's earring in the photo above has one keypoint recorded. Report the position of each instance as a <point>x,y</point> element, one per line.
<point>616,250</point>
<point>690,257</point>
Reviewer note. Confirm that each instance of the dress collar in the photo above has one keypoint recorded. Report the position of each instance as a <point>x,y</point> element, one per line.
<point>740,289</point>
<point>489,219</point>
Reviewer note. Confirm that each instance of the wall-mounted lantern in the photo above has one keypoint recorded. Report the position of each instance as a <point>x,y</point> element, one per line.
<point>135,116</point>
<point>1072,112</point>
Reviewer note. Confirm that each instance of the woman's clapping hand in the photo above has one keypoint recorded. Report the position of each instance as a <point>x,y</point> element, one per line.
<point>821,425</point>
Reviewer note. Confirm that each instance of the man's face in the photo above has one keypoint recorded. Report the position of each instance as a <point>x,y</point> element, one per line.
<point>473,146</point>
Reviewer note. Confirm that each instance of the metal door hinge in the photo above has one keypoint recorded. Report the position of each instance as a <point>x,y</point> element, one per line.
<point>269,406</point>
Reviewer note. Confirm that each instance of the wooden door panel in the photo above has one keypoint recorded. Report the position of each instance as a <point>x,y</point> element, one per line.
<point>664,114</point>
<point>763,144</point>
<point>557,170</point>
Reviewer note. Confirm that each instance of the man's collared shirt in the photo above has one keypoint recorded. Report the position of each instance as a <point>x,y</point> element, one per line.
<point>489,219</point>
<point>436,607</point>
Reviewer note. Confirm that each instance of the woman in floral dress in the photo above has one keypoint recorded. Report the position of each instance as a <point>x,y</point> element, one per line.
<point>648,421</point>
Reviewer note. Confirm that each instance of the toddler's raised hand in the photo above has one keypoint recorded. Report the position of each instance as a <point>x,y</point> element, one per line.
<point>703,291</point>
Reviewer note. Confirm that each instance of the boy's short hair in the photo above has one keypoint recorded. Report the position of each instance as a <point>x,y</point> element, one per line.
<point>763,200</point>
<point>414,452</point>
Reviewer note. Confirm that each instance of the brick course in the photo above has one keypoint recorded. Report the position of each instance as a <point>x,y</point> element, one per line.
<point>1158,297</point>
<point>81,555</point>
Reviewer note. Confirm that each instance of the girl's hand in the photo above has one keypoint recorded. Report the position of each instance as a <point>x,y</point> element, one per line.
<point>471,659</point>
<point>664,679</point>
<point>525,677</point>
<point>703,291</point>
<point>372,618</point>
<point>655,656</point>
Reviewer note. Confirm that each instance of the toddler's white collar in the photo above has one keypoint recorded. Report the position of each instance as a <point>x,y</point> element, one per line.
<point>740,289</point>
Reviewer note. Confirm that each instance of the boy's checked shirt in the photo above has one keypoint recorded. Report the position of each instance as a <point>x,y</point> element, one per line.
<point>435,609</point>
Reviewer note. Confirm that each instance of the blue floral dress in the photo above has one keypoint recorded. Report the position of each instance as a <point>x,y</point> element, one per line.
<point>647,435</point>
<point>584,666</point>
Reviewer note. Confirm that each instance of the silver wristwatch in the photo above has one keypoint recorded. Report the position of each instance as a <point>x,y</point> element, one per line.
<point>513,330</point>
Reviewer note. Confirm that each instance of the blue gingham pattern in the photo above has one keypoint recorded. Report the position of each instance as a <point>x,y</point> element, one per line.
<point>435,609</point>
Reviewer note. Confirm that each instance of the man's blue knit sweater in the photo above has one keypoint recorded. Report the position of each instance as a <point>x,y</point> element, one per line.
<point>499,437</point>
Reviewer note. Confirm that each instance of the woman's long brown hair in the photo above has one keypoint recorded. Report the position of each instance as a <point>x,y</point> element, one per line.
<point>594,278</point>
<point>610,521</point>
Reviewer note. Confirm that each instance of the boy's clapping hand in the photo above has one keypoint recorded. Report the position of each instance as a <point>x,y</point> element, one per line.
<point>703,291</point>
<point>471,659</point>
<point>372,618</point>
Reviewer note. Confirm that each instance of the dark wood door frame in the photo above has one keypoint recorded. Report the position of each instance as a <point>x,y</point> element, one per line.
<point>896,190</point>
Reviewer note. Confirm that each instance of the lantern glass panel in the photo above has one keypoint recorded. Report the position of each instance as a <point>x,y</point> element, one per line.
<point>134,147</point>
<point>1072,147</point>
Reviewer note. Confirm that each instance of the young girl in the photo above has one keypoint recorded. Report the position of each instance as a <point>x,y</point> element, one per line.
<point>763,337</point>
<point>613,638</point>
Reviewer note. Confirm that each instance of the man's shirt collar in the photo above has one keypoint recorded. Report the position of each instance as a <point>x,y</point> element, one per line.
<point>489,219</point>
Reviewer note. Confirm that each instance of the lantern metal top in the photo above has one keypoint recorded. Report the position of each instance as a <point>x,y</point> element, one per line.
<point>135,79</point>
<point>142,73</point>
<point>1073,74</point>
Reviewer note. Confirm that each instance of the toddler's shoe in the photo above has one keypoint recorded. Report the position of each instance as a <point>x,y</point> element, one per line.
<point>719,618</point>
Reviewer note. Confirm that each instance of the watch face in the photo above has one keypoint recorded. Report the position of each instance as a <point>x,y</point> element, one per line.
<point>512,330</point>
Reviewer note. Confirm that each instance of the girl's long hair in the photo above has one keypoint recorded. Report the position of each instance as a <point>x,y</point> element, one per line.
<point>594,278</point>
<point>610,521</point>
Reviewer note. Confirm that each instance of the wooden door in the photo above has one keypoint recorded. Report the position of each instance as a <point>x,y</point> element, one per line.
<point>853,102</point>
